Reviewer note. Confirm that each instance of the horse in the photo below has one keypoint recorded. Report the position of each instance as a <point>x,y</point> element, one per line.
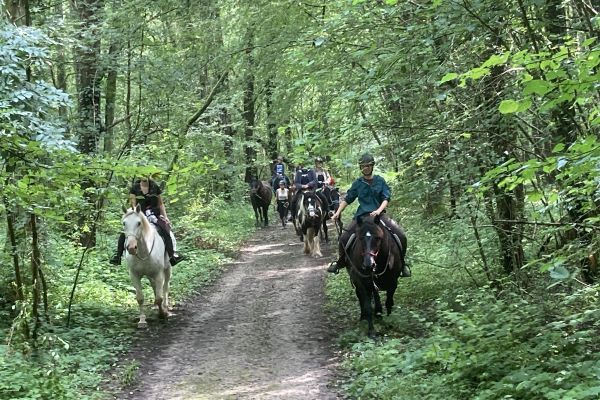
<point>146,257</point>
<point>374,263</point>
<point>260,197</point>
<point>308,222</point>
<point>328,195</point>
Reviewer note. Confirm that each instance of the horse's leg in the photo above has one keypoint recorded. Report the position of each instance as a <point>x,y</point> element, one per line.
<point>378,308</point>
<point>166,287</point>
<point>317,246</point>
<point>360,294</point>
<point>368,300</point>
<point>365,298</point>
<point>136,281</point>
<point>158,286</point>
<point>389,298</point>
<point>307,241</point>
<point>256,215</point>
<point>266,211</point>
<point>325,230</point>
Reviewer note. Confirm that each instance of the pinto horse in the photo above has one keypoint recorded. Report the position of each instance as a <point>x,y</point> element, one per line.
<point>146,257</point>
<point>260,197</point>
<point>375,263</point>
<point>310,217</point>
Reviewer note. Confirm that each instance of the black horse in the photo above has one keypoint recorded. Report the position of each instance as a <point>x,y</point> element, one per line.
<point>375,263</point>
<point>330,197</point>
<point>260,197</point>
<point>308,222</point>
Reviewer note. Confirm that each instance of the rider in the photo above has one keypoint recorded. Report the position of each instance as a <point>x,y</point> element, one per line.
<point>373,194</point>
<point>282,195</point>
<point>278,173</point>
<point>304,179</point>
<point>147,194</point>
<point>321,174</point>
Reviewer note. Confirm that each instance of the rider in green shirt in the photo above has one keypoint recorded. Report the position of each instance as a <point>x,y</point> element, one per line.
<point>373,194</point>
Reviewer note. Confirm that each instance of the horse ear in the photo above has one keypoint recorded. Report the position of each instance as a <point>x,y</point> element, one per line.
<point>124,210</point>
<point>138,208</point>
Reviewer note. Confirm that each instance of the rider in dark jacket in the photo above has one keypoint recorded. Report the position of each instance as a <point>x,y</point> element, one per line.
<point>304,179</point>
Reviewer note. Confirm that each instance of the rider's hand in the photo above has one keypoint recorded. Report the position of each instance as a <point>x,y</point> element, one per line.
<point>374,213</point>
<point>165,219</point>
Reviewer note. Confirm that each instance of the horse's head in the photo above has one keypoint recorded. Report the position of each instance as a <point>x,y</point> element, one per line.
<point>255,185</point>
<point>312,205</point>
<point>371,237</point>
<point>134,225</point>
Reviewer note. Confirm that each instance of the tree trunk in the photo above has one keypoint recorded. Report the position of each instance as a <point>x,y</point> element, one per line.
<point>111,97</point>
<point>271,125</point>
<point>249,114</point>
<point>87,62</point>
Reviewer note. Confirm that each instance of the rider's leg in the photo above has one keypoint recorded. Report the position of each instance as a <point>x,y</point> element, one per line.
<point>400,240</point>
<point>164,232</point>
<point>116,258</point>
<point>342,262</point>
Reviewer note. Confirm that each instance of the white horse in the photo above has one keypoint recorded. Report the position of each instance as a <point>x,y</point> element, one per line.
<point>146,256</point>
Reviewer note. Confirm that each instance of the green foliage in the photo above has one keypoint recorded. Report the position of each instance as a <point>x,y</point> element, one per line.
<point>486,347</point>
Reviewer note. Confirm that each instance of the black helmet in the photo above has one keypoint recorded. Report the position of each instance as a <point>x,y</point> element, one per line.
<point>318,159</point>
<point>366,159</point>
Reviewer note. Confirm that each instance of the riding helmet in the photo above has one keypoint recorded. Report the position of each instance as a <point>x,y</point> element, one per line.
<point>366,159</point>
<point>318,159</point>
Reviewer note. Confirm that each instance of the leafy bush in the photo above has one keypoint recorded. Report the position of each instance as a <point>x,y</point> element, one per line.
<point>489,348</point>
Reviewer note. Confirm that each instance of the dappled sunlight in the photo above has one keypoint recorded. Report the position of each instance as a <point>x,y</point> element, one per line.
<point>262,247</point>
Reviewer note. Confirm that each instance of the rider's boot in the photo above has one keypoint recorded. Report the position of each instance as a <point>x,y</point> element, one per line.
<point>405,271</point>
<point>176,258</point>
<point>115,259</point>
<point>335,266</point>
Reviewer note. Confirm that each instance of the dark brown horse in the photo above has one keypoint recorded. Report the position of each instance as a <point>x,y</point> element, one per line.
<point>260,197</point>
<point>375,263</point>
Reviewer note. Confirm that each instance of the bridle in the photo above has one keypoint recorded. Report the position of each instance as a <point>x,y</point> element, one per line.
<point>140,239</point>
<point>374,253</point>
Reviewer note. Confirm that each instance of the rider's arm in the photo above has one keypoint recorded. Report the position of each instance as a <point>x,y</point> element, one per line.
<point>163,210</point>
<point>380,209</point>
<point>337,214</point>
<point>386,194</point>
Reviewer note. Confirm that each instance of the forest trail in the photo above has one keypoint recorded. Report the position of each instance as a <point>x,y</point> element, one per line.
<point>258,332</point>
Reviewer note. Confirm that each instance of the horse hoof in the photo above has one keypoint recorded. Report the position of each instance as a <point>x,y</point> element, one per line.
<point>142,325</point>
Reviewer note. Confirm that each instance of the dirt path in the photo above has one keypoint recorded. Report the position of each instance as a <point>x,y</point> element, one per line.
<point>259,332</point>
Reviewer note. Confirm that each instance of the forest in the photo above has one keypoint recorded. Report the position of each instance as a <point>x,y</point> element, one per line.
<point>483,116</point>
